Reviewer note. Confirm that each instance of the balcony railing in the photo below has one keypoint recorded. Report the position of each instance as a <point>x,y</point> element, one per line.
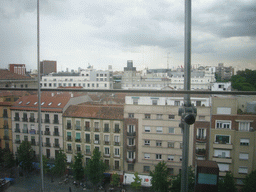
<point>131,133</point>
<point>25,119</point>
<point>117,168</point>
<point>88,153</point>
<point>117,130</point>
<point>78,127</point>
<point>106,142</point>
<point>24,131</point>
<point>117,143</point>
<point>131,147</point>
<point>47,144</point>
<point>6,127</point>
<point>69,151</point>
<point>106,154</point>
<point>46,120</point>
<point>5,116</point>
<point>17,130</point>
<point>78,151</point>
<point>106,130</point>
<point>17,141</point>
<point>56,145</point>
<point>78,140</point>
<point>47,133</point>
<point>88,141</point>
<point>6,137</point>
<point>33,143</point>
<point>31,119</point>
<point>37,132</point>
<point>69,138</point>
<point>96,142</point>
<point>130,160</point>
<point>201,138</point>
<point>96,129</point>
<point>200,151</point>
<point>56,121</point>
<point>56,133</point>
<point>16,118</point>
<point>69,126</point>
<point>87,128</point>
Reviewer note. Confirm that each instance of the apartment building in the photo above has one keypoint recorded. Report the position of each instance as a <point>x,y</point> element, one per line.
<point>90,126</point>
<point>232,142</point>
<point>152,132</point>
<point>25,121</point>
<point>7,98</point>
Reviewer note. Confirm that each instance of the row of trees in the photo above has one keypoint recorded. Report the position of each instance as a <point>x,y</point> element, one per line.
<point>244,80</point>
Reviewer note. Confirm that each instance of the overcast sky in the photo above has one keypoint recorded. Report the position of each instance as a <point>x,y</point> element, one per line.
<point>110,32</point>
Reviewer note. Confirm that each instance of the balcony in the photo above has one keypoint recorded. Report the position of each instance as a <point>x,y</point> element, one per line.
<point>201,139</point>
<point>131,147</point>
<point>117,168</point>
<point>96,142</point>
<point>6,127</point>
<point>31,119</point>
<point>17,130</point>
<point>87,128</point>
<point>130,160</point>
<point>32,131</point>
<point>16,118</point>
<point>5,116</point>
<point>78,151</point>
<point>106,130</point>
<point>25,119</point>
<point>37,132</point>
<point>117,131</point>
<point>117,156</point>
<point>69,139</point>
<point>33,143</point>
<point>47,133</point>
<point>78,127</point>
<point>24,131</point>
<point>56,121</point>
<point>96,129</point>
<point>88,153</point>
<point>56,133</point>
<point>69,126</point>
<point>88,141</point>
<point>46,120</point>
<point>106,143</point>
<point>222,159</point>
<point>117,143</point>
<point>78,140</point>
<point>47,144</point>
<point>56,145</point>
<point>69,151</point>
<point>6,137</point>
<point>106,155</point>
<point>17,141</point>
<point>222,146</point>
<point>200,152</point>
<point>131,134</point>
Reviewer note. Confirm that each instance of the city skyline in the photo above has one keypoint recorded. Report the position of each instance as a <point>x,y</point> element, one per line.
<point>75,33</point>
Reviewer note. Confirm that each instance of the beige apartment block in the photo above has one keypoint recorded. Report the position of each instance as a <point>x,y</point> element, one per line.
<point>232,142</point>
<point>152,133</point>
<point>87,127</point>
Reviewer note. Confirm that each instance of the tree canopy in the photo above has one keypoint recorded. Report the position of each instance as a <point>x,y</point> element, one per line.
<point>160,177</point>
<point>78,167</point>
<point>244,80</point>
<point>136,184</point>
<point>95,168</point>
<point>26,155</point>
<point>227,184</point>
<point>60,164</point>
<point>249,182</point>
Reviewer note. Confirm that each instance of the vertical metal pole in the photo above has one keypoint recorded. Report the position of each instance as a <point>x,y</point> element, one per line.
<point>39,99</point>
<point>187,103</point>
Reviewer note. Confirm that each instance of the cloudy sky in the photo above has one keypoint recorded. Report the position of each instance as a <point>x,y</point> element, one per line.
<point>110,32</point>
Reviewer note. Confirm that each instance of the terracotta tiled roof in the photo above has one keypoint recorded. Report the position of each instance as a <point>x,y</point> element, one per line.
<point>50,102</point>
<point>13,93</point>
<point>8,75</point>
<point>95,111</point>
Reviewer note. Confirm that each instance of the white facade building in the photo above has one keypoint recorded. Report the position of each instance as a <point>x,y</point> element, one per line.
<point>86,78</point>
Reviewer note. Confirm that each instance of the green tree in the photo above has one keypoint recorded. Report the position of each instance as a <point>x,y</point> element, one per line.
<point>60,164</point>
<point>26,156</point>
<point>136,184</point>
<point>176,181</point>
<point>244,80</point>
<point>115,180</point>
<point>160,177</point>
<point>95,168</point>
<point>227,184</point>
<point>78,167</point>
<point>45,166</point>
<point>249,182</point>
<point>8,159</point>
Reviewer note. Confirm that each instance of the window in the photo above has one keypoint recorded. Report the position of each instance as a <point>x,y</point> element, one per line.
<point>78,148</point>
<point>106,139</point>
<point>222,139</point>
<point>171,130</point>
<point>68,124</point>
<point>117,140</point>
<point>87,138</point>
<point>131,129</point>
<point>96,125</point>
<point>223,167</point>
<point>69,147</point>
<point>78,137</point>
<point>146,169</point>
<point>201,118</point>
<point>159,156</point>
<point>130,155</point>
<point>244,156</point>
<point>243,170</point>
<point>154,102</point>
<point>135,101</point>
<point>159,129</point>
<point>180,158</point>
<point>171,116</point>
<point>117,151</point>
<point>244,126</point>
<point>146,155</point>
<point>131,141</point>
<point>117,128</point>
<point>170,158</point>
<point>222,153</point>
<point>130,167</point>
<point>147,116</point>
<point>78,127</point>
<point>158,143</point>
<point>131,115</point>
<point>159,116</point>
<point>87,149</point>
<point>201,133</point>
<point>223,124</point>
<point>147,142</point>
<point>198,103</point>
<point>181,145</point>
<point>106,151</point>
<point>170,144</point>
<point>170,170</point>
<point>176,103</point>
<point>147,129</point>
<point>106,127</point>
<point>96,138</point>
<point>244,142</point>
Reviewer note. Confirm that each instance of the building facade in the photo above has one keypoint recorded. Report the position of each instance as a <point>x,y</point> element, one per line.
<point>47,67</point>
<point>87,127</point>
<point>18,68</point>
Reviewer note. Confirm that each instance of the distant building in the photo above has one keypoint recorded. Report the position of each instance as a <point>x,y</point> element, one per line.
<point>224,73</point>
<point>86,78</point>
<point>47,67</point>
<point>18,68</point>
<point>10,79</point>
<point>221,86</point>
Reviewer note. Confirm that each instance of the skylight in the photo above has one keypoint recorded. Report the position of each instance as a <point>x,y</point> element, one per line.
<point>59,104</point>
<point>42,103</point>
<point>50,103</point>
<point>20,102</point>
<point>35,103</point>
<point>27,102</point>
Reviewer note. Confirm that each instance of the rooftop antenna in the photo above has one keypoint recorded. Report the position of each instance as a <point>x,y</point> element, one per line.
<point>168,57</point>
